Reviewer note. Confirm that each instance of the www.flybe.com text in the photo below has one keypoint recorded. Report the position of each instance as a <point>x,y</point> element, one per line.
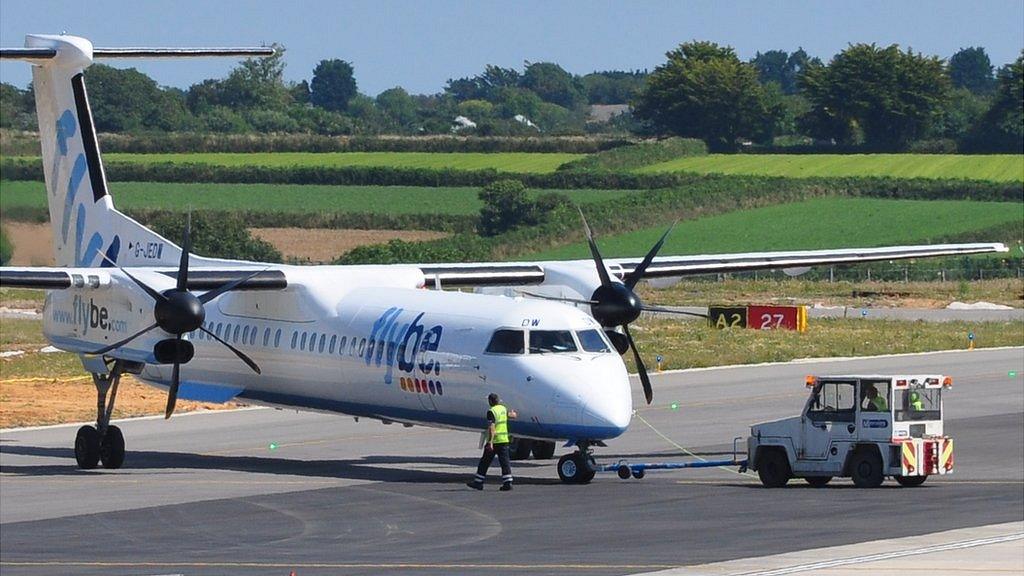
<point>89,316</point>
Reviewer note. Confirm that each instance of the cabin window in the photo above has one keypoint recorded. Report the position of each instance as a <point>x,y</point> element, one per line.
<point>551,341</point>
<point>593,341</point>
<point>266,337</point>
<point>341,345</point>
<point>219,326</point>
<point>305,335</point>
<point>323,341</point>
<point>295,339</point>
<point>277,338</point>
<point>506,342</point>
<point>245,335</point>
<point>362,346</point>
<point>334,342</point>
<point>252,335</point>
<point>234,333</point>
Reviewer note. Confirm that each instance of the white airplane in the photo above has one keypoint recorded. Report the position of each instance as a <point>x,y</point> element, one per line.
<point>381,342</point>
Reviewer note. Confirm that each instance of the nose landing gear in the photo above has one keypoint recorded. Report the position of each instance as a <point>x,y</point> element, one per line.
<point>104,443</point>
<point>578,467</point>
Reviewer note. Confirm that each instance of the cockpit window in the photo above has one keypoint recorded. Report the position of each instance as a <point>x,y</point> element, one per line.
<point>506,342</point>
<point>593,341</point>
<point>543,341</point>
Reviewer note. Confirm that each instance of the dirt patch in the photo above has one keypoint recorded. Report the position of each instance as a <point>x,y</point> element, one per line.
<point>324,245</point>
<point>39,401</point>
<point>33,244</point>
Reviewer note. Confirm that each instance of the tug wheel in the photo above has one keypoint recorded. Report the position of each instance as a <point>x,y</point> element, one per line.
<point>866,469</point>
<point>773,469</point>
<point>910,481</point>
<point>818,481</point>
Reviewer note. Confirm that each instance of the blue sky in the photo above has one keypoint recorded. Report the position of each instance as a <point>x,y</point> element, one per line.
<point>420,44</point>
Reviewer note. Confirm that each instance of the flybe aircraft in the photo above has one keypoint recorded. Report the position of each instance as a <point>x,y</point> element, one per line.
<point>382,342</point>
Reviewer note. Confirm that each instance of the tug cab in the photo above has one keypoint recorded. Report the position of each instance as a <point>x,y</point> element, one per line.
<point>862,427</point>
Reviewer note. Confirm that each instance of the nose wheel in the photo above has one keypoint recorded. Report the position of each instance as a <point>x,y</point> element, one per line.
<point>578,467</point>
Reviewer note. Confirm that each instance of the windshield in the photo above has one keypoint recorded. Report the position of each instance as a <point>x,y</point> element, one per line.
<point>544,341</point>
<point>593,341</point>
<point>506,342</point>
<point>833,401</point>
<point>918,403</point>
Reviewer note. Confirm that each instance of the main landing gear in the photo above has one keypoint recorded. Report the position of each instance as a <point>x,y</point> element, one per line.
<point>578,467</point>
<point>103,443</point>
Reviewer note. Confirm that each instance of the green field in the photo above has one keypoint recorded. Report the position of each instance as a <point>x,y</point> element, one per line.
<point>818,223</point>
<point>996,167</point>
<point>519,162</point>
<point>286,197</point>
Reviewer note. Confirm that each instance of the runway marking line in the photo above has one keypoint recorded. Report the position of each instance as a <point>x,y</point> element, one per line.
<point>395,565</point>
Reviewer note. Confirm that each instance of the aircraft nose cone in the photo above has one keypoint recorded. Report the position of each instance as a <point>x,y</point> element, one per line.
<point>610,411</point>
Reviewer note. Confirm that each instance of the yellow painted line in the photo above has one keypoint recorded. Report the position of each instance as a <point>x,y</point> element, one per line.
<point>423,430</point>
<point>369,565</point>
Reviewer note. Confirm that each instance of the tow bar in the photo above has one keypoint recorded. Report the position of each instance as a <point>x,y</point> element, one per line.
<point>624,469</point>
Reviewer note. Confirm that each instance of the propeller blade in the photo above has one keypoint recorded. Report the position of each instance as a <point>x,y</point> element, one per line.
<point>106,349</point>
<point>186,247</point>
<point>241,355</point>
<point>152,293</point>
<point>172,392</point>
<point>601,270</point>
<point>645,380</point>
<point>659,309</point>
<point>638,272</point>
<point>204,298</point>
<point>557,298</point>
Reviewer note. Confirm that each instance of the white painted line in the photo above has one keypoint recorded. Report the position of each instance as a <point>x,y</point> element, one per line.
<point>833,359</point>
<point>887,555</point>
<point>133,419</point>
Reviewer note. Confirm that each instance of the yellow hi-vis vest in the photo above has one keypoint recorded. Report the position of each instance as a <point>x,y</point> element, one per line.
<point>500,424</point>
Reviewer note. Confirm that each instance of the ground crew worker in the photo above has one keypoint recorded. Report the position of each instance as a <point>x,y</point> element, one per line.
<point>876,403</point>
<point>915,401</point>
<point>497,445</point>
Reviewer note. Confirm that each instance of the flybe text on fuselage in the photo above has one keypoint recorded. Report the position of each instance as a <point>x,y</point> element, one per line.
<point>405,344</point>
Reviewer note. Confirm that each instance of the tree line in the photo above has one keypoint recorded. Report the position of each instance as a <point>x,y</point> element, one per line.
<point>866,97</point>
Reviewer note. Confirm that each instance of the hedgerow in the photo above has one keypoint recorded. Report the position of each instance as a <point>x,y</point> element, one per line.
<point>637,155</point>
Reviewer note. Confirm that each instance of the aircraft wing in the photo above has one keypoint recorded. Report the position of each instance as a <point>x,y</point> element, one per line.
<point>198,278</point>
<point>526,273</point>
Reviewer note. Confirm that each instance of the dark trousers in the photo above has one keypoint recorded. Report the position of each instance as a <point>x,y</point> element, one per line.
<point>501,451</point>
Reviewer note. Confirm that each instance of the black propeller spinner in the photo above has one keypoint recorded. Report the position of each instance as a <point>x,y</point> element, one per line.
<point>178,311</point>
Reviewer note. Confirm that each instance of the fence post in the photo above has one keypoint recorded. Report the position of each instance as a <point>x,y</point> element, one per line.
<point>831,274</point>
<point>943,274</point>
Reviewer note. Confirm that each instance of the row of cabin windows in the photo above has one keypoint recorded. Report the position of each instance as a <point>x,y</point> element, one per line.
<point>306,341</point>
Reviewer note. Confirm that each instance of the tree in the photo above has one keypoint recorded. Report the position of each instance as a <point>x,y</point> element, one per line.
<point>704,91</point>
<point>506,207</point>
<point>125,100</point>
<point>1002,127</point>
<point>553,84</point>
<point>17,108</point>
<point>398,105</point>
<point>257,83</point>
<point>782,68</point>
<point>333,85</point>
<point>888,96</point>
<point>613,86</point>
<point>971,68</point>
<point>512,101</point>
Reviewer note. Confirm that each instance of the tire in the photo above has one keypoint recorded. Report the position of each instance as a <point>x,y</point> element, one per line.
<point>575,468</point>
<point>87,447</point>
<point>543,450</point>
<point>773,469</point>
<point>866,469</point>
<point>519,448</point>
<point>112,448</point>
<point>818,481</point>
<point>910,481</point>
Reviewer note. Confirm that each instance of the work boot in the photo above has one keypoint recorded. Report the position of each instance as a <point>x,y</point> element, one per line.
<point>475,485</point>
<point>506,487</point>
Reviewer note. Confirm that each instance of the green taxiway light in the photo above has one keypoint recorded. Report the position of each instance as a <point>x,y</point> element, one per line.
<point>1013,373</point>
<point>272,446</point>
<point>674,406</point>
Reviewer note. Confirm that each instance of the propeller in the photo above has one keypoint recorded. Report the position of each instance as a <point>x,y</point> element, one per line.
<point>615,304</point>
<point>178,311</point>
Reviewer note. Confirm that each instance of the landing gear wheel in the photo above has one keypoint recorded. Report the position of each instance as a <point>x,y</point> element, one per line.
<point>818,481</point>
<point>910,481</point>
<point>576,468</point>
<point>87,447</point>
<point>866,469</point>
<point>543,450</point>
<point>519,448</point>
<point>112,448</point>
<point>773,469</point>
<point>623,472</point>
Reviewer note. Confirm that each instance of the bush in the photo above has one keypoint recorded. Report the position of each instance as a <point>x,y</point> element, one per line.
<point>6,248</point>
<point>459,248</point>
<point>226,236</point>
<point>638,155</point>
<point>936,146</point>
